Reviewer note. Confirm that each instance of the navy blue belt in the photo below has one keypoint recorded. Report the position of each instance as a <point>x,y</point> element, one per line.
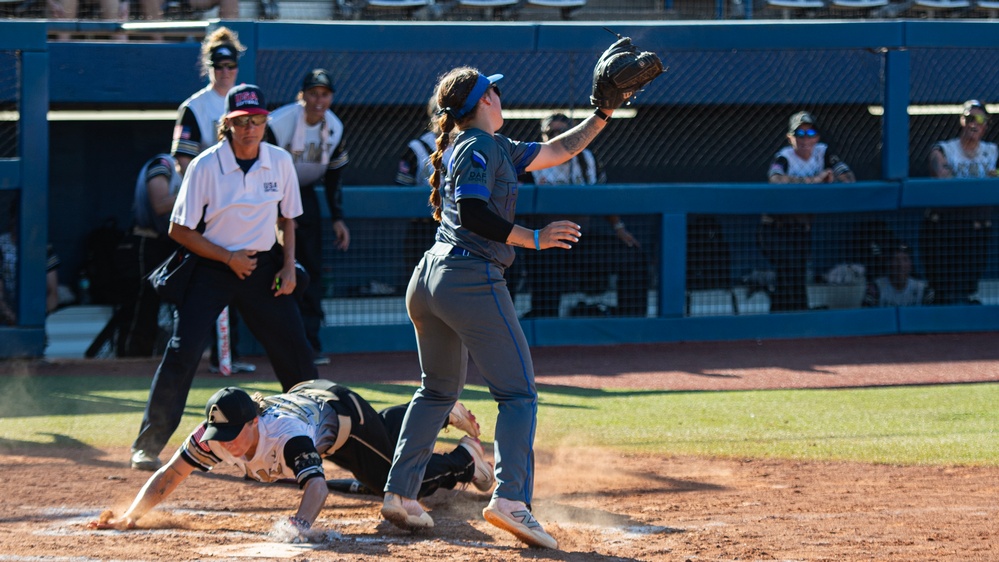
<point>459,251</point>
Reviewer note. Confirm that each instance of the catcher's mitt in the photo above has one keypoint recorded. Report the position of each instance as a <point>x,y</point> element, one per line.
<point>620,72</point>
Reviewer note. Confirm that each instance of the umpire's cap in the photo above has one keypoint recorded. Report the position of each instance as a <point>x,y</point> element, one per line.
<point>244,99</point>
<point>228,410</point>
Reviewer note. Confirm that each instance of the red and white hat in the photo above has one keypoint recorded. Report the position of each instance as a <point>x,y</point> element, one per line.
<point>244,99</point>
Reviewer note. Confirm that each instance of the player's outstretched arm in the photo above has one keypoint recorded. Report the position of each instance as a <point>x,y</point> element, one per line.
<point>313,498</point>
<point>570,143</point>
<point>160,485</point>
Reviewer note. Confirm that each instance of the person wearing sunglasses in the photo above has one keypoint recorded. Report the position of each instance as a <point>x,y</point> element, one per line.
<point>235,211</point>
<point>459,302</point>
<point>314,136</point>
<point>196,129</point>
<point>785,240</point>
<point>954,241</point>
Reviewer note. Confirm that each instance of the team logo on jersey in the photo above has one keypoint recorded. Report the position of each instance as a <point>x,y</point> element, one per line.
<point>270,187</point>
<point>478,160</point>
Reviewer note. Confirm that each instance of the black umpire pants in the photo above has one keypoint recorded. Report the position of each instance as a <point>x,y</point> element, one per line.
<point>309,253</point>
<point>368,452</point>
<point>274,321</point>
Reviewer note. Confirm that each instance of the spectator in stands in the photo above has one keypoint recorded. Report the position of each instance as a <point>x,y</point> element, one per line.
<point>785,240</point>
<point>111,10</point>
<point>599,253</point>
<point>8,267</point>
<point>148,245</point>
<point>954,241</point>
<point>187,9</point>
<point>898,287</point>
<point>196,129</point>
<point>313,134</point>
<point>414,170</point>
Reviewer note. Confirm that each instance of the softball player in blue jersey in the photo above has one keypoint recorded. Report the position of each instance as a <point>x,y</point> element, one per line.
<point>459,302</point>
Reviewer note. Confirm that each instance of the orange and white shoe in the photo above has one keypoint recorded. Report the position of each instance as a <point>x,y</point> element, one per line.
<point>463,419</point>
<point>405,513</point>
<point>483,477</point>
<point>514,517</point>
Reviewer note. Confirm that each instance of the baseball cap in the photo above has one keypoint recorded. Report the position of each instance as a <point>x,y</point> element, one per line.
<point>318,77</point>
<point>227,411</point>
<point>799,119</point>
<point>225,51</point>
<point>244,99</point>
<point>973,104</point>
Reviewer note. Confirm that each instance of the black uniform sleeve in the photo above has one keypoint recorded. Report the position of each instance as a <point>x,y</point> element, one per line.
<point>186,135</point>
<point>476,216</point>
<point>301,456</point>
<point>406,173</point>
<point>334,197</point>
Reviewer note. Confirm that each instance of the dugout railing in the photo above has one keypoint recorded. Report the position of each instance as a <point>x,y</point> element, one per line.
<point>699,145</point>
<point>24,80</point>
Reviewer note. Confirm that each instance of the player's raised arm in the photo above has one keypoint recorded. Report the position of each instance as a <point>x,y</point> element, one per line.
<point>620,72</point>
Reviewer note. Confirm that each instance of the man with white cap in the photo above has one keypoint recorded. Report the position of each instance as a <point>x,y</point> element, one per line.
<point>954,241</point>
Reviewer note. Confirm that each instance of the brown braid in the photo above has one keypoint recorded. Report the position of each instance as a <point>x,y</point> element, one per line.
<point>452,90</point>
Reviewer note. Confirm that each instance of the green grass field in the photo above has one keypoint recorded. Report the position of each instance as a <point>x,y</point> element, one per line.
<point>947,424</point>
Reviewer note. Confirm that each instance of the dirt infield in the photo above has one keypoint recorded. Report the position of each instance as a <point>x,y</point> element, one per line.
<point>599,505</point>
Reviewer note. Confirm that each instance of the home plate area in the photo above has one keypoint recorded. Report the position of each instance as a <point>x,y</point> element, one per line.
<point>228,535</point>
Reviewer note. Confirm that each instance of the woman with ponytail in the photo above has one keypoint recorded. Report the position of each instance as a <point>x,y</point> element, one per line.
<point>459,303</point>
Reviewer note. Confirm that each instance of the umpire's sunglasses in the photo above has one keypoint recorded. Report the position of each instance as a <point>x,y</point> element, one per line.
<point>244,120</point>
<point>806,133</point>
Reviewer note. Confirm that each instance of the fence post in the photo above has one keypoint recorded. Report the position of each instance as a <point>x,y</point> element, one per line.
<point>895,121</point>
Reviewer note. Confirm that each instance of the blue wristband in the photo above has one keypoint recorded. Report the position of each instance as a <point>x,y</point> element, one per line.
<point>537,242</point>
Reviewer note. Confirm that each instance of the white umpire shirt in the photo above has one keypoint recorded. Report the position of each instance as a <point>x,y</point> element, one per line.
<point>240,210</point>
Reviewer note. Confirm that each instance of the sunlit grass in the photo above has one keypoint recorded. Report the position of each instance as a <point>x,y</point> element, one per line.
<point>946,424</point>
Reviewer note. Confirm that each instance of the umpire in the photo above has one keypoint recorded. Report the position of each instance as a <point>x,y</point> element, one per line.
<point>239,190</point>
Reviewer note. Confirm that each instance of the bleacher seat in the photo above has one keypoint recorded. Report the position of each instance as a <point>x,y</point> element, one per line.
<point>789,7</point>
<point>857,7</point>
<point>565,7</point>
<point>989,6</point>
<point>932,7</point>
<point>405,8</point>
<point>490,9</point>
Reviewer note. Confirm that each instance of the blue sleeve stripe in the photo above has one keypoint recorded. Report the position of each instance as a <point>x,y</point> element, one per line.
<point>471,190</point>
<point>525,159</point>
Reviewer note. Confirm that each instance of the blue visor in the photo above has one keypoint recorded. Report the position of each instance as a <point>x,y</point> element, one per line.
<point>481,85</point>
